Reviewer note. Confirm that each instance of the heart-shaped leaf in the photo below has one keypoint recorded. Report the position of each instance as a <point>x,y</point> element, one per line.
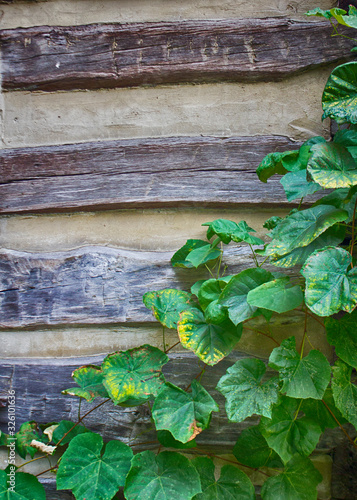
<point>90,381</point>
<point>244,391</point>
<point>276,296</point>
<point>234,296</point>
<point>202,255</point>
<point>330,288</point>
<point>296,185</point>
<point>179,259</point>
<point>228,230</point>
<point>25,487</point>
<point>252,450</point>
<point>91,471</point>
<point>301,228</point>
<point>133,376</point>
<point>209,291</point>
<point>167,304</point>
<point>298,481</point>
<point>27,432</point>
<point>302,377</point>
<point>232,483</point>
<point>344,392</point>
<point>166,476</point>
<point>320,411</point>
<point>62,428</point>
<point>332,236</point>
<point>288,434</point>
<point>209,342</point>
<point>183,414</point>
<point>273,163</point>
<point>342,333</point>
<point>339,99</point>
<point>332,166</point>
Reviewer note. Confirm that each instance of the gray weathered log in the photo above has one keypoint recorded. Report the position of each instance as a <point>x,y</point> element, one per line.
<point>91,285</point>
<point>122,55</point>
<point>38,385</point>
<point>173,171</point>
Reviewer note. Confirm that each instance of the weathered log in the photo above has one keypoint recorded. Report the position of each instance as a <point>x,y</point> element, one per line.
<point>174,171</point>
<point>38,385</point>
<point>122,55</point>
<point>91,285</point>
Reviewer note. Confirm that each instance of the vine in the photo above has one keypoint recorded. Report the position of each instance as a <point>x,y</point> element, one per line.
<point>296,398</point>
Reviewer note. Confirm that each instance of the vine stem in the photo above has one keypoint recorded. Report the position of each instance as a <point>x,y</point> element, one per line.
<point>163,338</point>
<point>235,462</point>
<point>209,270</point>
<point>353,232</point>
<point>47,470</point>
<point>197,376</point>
<point>169,349</point>
<point>254,256</point>
<point>80,420</point>
<point>302,345</point>
<point>33,460</point>
<point>340,425</point>
<point>262,333</point>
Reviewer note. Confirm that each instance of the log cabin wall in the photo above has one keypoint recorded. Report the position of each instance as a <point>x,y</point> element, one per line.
<point>126,124</point>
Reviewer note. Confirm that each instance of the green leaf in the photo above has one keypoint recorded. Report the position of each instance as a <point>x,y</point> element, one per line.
<point>344,392</point>
<point>276,296</point>
<point>133,376</point>
<point>301,228</point>
<point>232,484</point>
<point>166,439</point>
<point>228,230</point>
<point>346,137</point>
<point>3,438</point>
<point>339,99</point>
<point>27,432</point>
<point>316,409</point>
<point>92,471</point>
<point>209,291</point>
<point>234,296</point>
<point>179,259</point>
<point>183,414</point>
<point>26,487</point>
<point>244,391</point>
<point>334,235</point>
<point>298,481</point>
<point>252,450</point>
<point>332,166</point>
<point>306,377</point>
<point>318,12</point>
<point>166,476</point>
<point>273,164</point>
<point>209,342</point>
<point>167,304</point>
<point>90,381</point>
<point>287,434</point>
<point>296,185</point>
<point>329,287</point>
<point>215,313</point>
<point>65,426</point>
<point>272,222</point>
<point>202,255</point>
<point>342,333</point>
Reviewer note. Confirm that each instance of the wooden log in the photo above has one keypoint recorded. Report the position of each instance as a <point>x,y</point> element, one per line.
<point>38,385</point>
<point>174,171</point>
<point>91,285</point>
<point>122,55</point>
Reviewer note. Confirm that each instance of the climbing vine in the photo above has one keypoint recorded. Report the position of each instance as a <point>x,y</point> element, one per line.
<point>297,395</point>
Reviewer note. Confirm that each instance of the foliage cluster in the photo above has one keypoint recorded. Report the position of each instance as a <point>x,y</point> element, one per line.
<point>297,398</point>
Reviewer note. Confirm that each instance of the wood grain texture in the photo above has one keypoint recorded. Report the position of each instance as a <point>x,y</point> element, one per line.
<point>125,55</point>
<point>176,171</point>
<point>91,285</point>
<point>38,385</point>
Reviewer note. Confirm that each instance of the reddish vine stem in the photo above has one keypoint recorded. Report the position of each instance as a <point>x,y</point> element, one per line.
<point>314,317</point>
<point>262,333</point>
<point>169,349</point>
<point>197,376</point>
<point>82,418</point>
<point>235,462</point>
<point>353,231</point>
<point>340,425</point>
<point>47,470</point>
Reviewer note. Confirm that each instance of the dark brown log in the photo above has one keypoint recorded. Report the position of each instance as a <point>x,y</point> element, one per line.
<point>125,55</point>
<point>91,285</point>
<point>176,171</point>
